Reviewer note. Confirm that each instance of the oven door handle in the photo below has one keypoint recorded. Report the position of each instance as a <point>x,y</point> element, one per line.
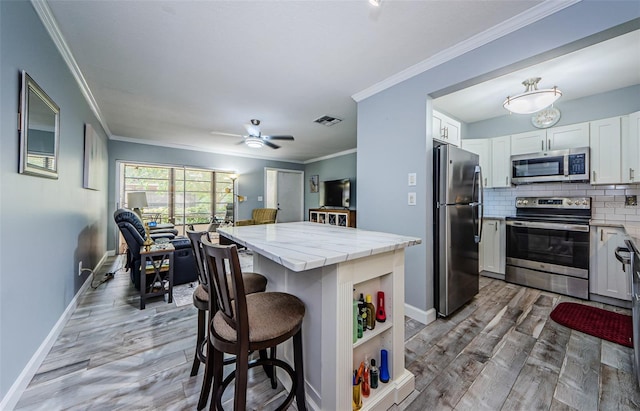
<point>550,226</point>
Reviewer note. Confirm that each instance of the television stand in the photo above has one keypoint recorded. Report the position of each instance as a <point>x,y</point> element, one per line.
<point>333,216</point>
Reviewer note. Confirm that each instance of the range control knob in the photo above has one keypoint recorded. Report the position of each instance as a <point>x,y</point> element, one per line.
<point>585,202</point>
<point>525,202</point>
<point>569,202</point>
<point>518,202</point>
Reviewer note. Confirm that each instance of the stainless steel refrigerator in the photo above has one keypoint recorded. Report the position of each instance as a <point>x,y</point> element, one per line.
<point>458,213</point>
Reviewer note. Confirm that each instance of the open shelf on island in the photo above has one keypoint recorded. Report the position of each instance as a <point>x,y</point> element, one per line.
<point>371,334</point>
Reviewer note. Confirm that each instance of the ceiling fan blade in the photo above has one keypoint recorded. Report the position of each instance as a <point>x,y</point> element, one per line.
<point>270,144</point>
<point>278,137</point>
<point>252,130</point>
<point>219,133</point>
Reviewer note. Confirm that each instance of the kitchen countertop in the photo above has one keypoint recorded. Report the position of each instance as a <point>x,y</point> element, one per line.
<point>493,217</point>
<point>305,245</point>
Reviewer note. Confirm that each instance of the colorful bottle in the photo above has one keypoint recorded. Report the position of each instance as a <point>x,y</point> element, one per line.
<point>365,381</point>
<point>373,370</point>
<point>371,311</point>
<point>363,312</point>
<point>355,320</point>
<point>360,325</point>
<point>381,315</point>
<point>384,366</point>
<point>356,402</point>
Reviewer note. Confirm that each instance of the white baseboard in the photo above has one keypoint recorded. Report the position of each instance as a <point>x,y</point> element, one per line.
<point>12,397</point>
<point>425,317</point>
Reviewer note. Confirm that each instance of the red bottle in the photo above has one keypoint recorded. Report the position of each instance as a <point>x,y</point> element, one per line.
<point>381,315</point>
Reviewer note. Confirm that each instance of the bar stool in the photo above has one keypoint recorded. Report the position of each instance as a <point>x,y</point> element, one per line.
<point>253,283</point>
<point>250,322</point>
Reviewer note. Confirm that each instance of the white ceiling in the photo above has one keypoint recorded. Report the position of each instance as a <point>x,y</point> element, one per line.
<point>605,66</point>
<point>171,72</point>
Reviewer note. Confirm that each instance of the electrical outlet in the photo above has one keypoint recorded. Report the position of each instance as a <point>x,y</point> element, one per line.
<point>631,200</point>
<point>259,198</point>
<point>412,179</point>
<point>80,268</point>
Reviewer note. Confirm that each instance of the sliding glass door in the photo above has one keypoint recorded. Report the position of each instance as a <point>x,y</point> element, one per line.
<point>179,195</point>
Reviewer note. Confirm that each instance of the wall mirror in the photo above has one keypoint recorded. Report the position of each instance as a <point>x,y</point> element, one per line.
<point>39,131</point>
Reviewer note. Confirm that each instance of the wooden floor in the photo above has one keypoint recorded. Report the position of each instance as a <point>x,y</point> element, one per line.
<point>499,352</point>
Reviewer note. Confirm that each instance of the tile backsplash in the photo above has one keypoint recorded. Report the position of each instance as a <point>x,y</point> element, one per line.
<point>608,201</point>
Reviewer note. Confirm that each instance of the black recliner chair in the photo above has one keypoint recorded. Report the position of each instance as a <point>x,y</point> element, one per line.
<point>132,229</point>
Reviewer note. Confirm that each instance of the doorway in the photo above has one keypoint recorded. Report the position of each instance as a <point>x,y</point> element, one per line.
<point>284,190</point>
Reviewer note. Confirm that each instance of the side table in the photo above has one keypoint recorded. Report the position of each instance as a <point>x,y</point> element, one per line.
<point>156,264</point>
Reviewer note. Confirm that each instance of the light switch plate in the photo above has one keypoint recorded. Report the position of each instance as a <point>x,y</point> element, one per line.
<point>259,198</point>
<point>411,199</point>
<point>412,179</point>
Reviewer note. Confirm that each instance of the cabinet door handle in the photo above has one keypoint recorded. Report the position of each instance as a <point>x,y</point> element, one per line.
<point>485,181</point>
<point>601,235</point>
<point>506,180</point>
<point>549,144</point>
<point>594,175</point>
<point>496,226</point>
<point>541,145</point>
<point>631,172</point>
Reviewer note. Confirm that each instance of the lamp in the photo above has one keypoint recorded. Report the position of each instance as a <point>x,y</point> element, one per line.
<point>532,100</point>
<point>137,200</point>
<point>254,142</point>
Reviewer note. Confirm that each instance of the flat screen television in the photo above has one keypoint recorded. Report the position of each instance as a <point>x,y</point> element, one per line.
<point>335,193</point>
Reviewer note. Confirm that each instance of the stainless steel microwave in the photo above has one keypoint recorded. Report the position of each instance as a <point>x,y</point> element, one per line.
<point>571,165</point>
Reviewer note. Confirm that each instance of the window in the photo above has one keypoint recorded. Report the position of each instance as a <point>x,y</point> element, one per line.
<point>180,195</point>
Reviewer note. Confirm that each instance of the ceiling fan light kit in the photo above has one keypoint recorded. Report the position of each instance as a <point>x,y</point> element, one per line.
<point>254,142</point>
<point>532,100</point>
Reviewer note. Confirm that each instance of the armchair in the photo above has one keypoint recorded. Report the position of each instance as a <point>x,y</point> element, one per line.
<point>260,216</point>
<point>132,230</point>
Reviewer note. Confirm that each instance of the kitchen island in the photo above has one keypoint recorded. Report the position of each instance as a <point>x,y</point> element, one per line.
<point>327,267</point>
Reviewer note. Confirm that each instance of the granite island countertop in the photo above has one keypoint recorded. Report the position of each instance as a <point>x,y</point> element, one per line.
<point>305,245</point>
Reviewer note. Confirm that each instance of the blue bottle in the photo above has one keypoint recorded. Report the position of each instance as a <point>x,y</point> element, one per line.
<point>384,366</point>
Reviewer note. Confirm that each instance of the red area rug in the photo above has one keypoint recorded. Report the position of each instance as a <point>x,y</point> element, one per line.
<point>614,327</point>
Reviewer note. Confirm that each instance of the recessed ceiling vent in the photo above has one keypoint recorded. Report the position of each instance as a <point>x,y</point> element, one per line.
<point>327,120</point>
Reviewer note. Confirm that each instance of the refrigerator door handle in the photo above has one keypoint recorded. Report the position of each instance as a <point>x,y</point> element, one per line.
<point>477,222</point>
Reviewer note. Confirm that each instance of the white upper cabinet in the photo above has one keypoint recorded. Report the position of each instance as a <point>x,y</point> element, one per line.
<point>631,148</point>
<point>571,136</point>
<point>606,151</point>
<point>501,161</point>
<point>446,129</point>
<point>482,147</point>
<point>555,138</point>
<point>529,142</point>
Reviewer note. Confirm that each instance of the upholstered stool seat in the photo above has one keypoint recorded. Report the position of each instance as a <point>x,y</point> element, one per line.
<point>271,316</point>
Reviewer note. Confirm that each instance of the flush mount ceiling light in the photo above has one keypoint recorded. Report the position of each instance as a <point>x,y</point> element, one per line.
<point>532,100</point>
<point>375,3</point>
<point>254,142</point>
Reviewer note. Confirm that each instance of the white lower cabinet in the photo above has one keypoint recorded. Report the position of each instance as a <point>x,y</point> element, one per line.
<point>492,249</point>
<point>607,276</point>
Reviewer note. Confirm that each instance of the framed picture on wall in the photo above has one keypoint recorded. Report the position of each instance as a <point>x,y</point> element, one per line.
<point>94,160</point>
<point>313,184</point>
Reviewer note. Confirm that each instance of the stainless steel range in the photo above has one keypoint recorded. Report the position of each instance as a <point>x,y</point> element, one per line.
<point>548,244</point>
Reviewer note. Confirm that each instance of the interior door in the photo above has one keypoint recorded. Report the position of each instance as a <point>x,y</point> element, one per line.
<point>285,191</point>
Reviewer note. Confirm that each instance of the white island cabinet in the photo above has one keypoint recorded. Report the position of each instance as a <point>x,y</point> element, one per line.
<point>326,266</point>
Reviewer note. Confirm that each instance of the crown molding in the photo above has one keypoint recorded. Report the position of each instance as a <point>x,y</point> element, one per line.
<point>197,148</point>
<point>338,154</point>
<point>51,25</point>
<point>523,19</point>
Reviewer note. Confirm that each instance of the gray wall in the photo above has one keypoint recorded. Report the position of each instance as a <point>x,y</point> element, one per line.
<point>392,130</point>
<point>335,168</point>
<point>250,182</point>
<point>604,105</point>
<point>47,226</point>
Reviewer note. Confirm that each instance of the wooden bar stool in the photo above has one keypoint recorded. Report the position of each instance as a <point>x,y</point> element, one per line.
<point>252,322</point>
<point>253,283</point>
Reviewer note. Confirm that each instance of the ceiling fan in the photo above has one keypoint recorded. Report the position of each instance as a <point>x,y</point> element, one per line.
<point>256,139</point>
